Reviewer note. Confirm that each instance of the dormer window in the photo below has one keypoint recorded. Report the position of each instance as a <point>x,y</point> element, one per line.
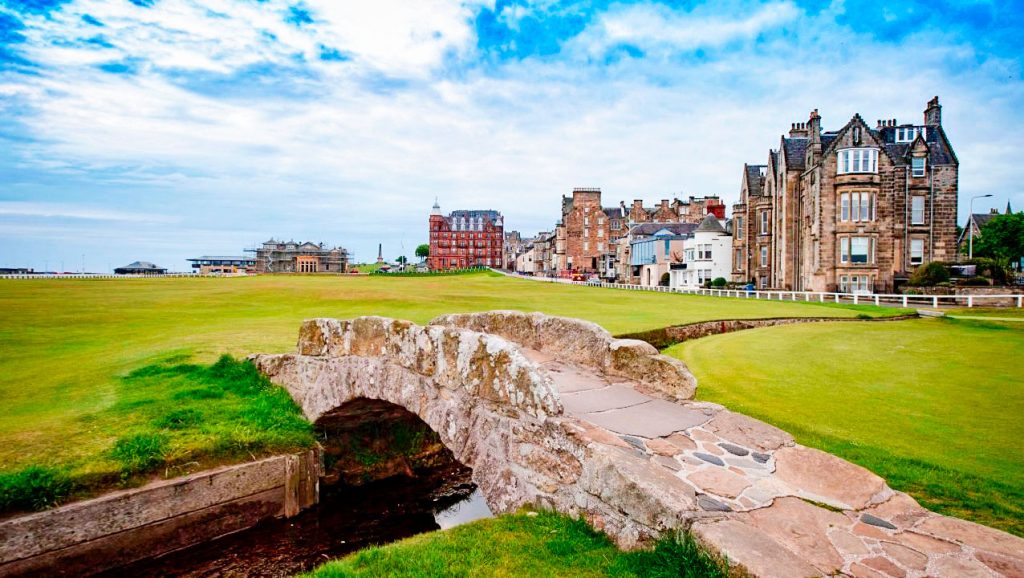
<point>859,160</point>
<point>906,134</point>
<point>917,166</point>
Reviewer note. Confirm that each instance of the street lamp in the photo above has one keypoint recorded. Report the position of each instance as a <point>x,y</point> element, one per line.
<point>970,228</point>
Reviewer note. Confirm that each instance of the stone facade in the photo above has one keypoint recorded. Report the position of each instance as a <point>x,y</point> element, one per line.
<point>291,257</point>
<point>466,239</point>
<point>852,210</point>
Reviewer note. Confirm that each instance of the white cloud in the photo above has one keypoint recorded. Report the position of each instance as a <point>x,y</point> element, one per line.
<point>70,211</point>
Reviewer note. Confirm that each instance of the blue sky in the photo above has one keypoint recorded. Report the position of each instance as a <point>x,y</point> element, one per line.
<point>165,129</point>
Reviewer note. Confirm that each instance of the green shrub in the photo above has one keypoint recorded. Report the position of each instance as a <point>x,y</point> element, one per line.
<point>719,282</point>
<point>974,282</point>
<point>139,452</point>
<point>33,488</point>
<point>929,274</point>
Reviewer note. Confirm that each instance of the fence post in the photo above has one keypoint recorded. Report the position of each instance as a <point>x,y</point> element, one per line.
<point>904,301</point>
<point>935,302</point>
<point>970,301</point>
<point>836,296</point>
<point>854,298</point>
<point>876,300</point>
<point>1020,300</point>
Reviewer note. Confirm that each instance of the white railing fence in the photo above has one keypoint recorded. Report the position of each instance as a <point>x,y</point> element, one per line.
<point>813,296</point>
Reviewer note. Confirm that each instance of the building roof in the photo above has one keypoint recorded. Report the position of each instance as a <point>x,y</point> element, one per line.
<point>475,214</point>
<point>220,258</point>
<point>754,185</point>
<point>796,151</point>
<point>648,229</point>
<point>710,224</point>
<point>615,212</point>
<point>141,265</point>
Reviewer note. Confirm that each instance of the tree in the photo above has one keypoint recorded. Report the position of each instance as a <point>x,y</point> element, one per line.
<point>402,260</point>
<point>1002,238</point>
<point>423,251</point>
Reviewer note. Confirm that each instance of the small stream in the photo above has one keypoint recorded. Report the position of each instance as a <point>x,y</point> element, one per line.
<point>347,519</point>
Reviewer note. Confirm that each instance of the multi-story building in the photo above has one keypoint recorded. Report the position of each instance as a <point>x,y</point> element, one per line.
<point>291,257</point>
<point>465,239</point>
<point>854,210</point>
<point>588,235</point>
<point>653,248</point>
<point>513,247</point>
<point>707,255</point>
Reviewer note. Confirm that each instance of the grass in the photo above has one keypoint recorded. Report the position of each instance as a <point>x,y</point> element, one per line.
<point>164,423</point>
<point>932,405</point>
<point>70,374</point>
<point>540,544</point>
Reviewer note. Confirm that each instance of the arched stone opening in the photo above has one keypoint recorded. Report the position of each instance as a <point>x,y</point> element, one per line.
<point>368,440</point>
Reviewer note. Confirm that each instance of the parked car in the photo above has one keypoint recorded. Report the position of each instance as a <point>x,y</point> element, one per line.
<point>594,281</point>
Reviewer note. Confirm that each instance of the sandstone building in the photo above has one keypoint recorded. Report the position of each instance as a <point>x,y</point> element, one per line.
<point>291,257</point>
<point>853,210</point>
<point>465,239</point>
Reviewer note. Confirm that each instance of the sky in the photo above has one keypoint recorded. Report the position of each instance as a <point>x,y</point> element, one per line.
<point>160,130</point>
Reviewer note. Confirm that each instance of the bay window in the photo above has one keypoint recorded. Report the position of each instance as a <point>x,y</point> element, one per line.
<point>856,250</point>
<point>857,207</point>
<point>860,160</point>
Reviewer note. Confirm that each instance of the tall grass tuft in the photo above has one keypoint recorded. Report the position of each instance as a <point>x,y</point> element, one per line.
<point>34,488</point>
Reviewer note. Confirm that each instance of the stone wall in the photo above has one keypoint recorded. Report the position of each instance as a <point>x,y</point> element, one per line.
<point>122,527</point>
<point>667,336</point>
<point>583,342</point>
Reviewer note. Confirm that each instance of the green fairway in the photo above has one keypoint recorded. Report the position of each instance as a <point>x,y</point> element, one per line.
<point>541,544</point>
<point>69,344</point>
<point>933,405</point>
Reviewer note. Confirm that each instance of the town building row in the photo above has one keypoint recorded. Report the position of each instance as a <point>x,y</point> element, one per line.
<point>856,209</point>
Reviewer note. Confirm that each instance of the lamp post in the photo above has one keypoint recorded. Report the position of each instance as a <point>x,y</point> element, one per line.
<point>970,227</point>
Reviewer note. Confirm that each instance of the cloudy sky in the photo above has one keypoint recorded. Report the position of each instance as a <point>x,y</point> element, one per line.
<point>166,129</point>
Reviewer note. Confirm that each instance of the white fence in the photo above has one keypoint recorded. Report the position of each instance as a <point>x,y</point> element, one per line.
<point>109,276</point>
<point>815,296</point>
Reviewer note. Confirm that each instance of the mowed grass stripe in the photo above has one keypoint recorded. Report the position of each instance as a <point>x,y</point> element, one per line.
<point>932,405</point>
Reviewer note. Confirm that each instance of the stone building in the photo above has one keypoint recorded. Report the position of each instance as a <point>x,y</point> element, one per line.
<point>291,257</point>
<point>852,210</point>
<point>513,247</point>
<point>588,235</point>
<point>466,239</point>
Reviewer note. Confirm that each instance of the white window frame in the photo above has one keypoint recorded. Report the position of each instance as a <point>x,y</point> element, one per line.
<point>917,244</point>
<point>858,207</point>
<point>586,245</point>
<point>704,252</point>
<point>861,160</point>
<point>918,171</point>
<point>739,259</point>
<point>739,227</point>
<point>764,222</point>
<point>764,256</point>
<point>917,210</point>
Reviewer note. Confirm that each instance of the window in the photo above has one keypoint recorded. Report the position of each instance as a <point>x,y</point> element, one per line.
<point>600,247</point>
<point>586,221</point>
<point>586,232</point>
<point>855,284</point>
<point>909,133</point>
<point>764,222</point>
<point>857,161</point>
<point>739,260</point>
<point>917,166</point>
<point>856,250</point>
<point>586,245</point>
<point>917,211</point>
<point>600,233</point>
<point>857,207</point>
<point>764,256</point>
<point>704,252</point>
<point>739,227</point>
<point>764,282</point>
<point>916,251</point>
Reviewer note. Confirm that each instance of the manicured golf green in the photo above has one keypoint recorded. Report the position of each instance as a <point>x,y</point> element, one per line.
<point>69,347</point>
<point>934,406</point>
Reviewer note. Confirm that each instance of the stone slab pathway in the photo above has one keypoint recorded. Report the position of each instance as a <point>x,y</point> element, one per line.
<point>778,508</point>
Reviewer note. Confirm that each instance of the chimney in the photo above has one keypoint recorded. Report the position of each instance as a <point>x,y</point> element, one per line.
<point>638,204</point>
<point>798,129</point>
<point>664,204</point>
<point>933,114</point>
<point>814,126</point>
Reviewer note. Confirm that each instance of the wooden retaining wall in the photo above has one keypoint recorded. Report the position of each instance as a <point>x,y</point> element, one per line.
<point>90,536</point>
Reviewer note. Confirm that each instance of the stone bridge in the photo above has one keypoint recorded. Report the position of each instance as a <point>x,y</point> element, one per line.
<point>555,413</point>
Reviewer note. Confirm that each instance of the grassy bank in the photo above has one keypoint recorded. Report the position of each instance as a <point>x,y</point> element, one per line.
<point>541,544</point>
<point>169,419</point>
<point>931,405</point>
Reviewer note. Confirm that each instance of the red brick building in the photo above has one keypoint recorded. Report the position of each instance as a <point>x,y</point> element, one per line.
<point>465,239</point>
